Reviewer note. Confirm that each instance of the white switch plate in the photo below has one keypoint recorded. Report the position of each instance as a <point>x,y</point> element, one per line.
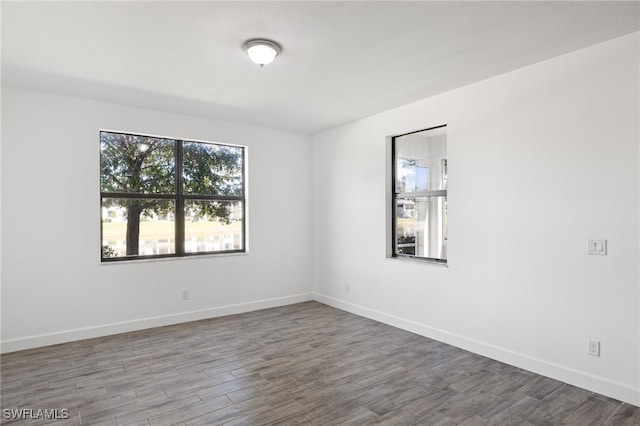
<point>597,247</point>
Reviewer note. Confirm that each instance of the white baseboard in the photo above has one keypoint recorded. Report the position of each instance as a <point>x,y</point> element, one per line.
<point>582,379</point>
<point>36,341</point>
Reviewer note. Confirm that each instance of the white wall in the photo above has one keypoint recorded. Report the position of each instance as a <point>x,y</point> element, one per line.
<point>54,288</point>
<point>540,160</point>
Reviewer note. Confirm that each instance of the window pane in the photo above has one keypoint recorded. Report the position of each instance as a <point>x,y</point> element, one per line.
<point>137,164</point>
<point>445,179</point>
<point>213,226</point>
<point>211,169</point>
<point>421,227</point>
<point>137,227</point>
<point>419,161</point>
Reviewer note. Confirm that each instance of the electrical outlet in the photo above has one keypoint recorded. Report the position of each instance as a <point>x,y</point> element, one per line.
<point>597,247</point>
<point>347,288</point>
<point>185,294</point>
<point>593,347</point>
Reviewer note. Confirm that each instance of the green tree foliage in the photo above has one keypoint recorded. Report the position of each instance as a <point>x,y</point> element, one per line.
<point>108,251</point>
<point>132,164</point>
<point>212,169</point>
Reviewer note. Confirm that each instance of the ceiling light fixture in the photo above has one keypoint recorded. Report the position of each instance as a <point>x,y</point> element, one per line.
<point>262,51</point>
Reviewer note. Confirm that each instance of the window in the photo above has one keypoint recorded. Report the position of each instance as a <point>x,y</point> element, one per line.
<point>164,197</point>
<point>419,174</point>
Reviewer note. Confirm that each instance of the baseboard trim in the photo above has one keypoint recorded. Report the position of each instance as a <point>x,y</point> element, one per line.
<point>582,379</point>
<point>36,341</point>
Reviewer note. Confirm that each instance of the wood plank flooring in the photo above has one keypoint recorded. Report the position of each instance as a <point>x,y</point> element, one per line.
<point>303,364</point>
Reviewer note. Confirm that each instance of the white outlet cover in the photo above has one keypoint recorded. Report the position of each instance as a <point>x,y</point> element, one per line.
<point>597,247</point>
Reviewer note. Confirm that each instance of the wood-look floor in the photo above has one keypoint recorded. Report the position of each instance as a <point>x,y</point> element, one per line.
<point>301,364</point>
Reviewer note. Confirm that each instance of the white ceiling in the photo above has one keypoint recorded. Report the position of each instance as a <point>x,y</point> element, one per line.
<point>340,61</point>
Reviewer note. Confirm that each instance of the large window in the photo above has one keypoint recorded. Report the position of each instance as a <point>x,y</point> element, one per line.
<point>419,169</point>
<point>164,197</point>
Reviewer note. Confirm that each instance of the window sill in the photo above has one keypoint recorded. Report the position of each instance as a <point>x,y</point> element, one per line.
<point>422,260</point>
<point>174,258</point>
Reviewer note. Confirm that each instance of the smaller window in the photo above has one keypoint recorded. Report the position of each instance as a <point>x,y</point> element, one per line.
<point>419,169</point>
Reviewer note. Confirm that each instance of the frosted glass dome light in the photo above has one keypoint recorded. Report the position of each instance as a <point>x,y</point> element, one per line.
<point>261,51</point>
